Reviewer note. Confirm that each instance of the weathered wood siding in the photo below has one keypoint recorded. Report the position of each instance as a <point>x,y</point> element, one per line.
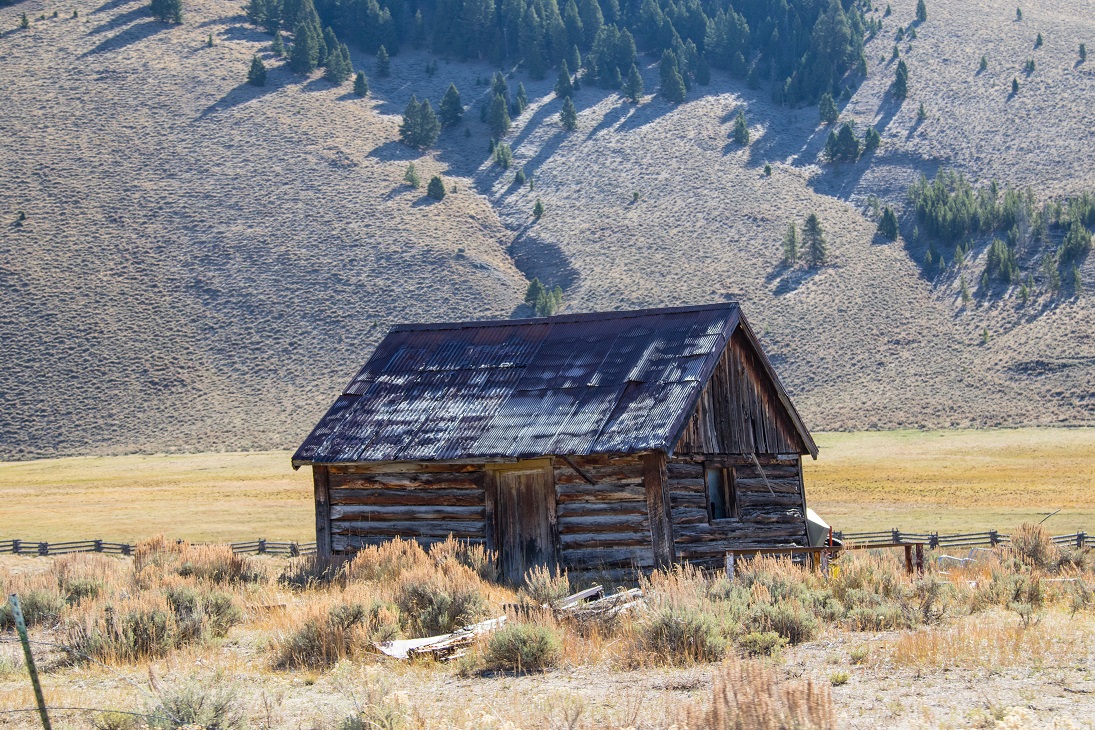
<point>769,517</point>
<point>603,525</point>
<point>739,411</point>
<point>426,502</point>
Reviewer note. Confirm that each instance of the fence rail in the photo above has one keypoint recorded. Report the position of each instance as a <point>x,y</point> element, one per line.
<point>990,538</point>
<point>250,547</point>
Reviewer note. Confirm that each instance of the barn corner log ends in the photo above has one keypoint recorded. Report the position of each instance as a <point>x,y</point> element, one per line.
<point>598,441</point>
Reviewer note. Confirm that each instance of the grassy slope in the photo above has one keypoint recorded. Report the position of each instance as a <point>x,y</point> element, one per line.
<point>947,480</point>
<point>206,263</point>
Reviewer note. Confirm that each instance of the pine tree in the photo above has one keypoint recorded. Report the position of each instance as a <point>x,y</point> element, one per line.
<point>966,297</point>
<point>672,87</point>
<point>817,251</point>
<point>451,108</point>
<point>703,71</point>
<point>498,117</point>
<point>304,57</point>
<point>383,63</point>
<point>871,141</point>
<point>329,48</point>
<point>278,46</point>
<point>361,84</point>
<point>633,87</point>
<point>1018,14</point>
<point>256,76</point>
<point>521,98</point>
<point>338,65</point>
<point>1038,41</point>
<point>436,188</point>
<point>568,117</point>
<point>411,176</point>
<point>574,59</point>
<point>1083,52</point>
<point>921,11</point>
<point>563,87</point>
<point>741,128</point>
<point>408,128</point>
<point>24,21</point>
<point>428,127</point>
<point>1014,86</point>
<point>984,63</point>
<point>538,210</point>
<point>901,81</point>
<point>208,41</point>
<point>921,113</point>
<point>168,11</point>
<point>887,224</point>
<point>790,245</point>
<point>842,146</point>
<point>827,109</point>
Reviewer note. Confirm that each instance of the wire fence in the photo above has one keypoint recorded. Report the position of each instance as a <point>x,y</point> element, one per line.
<point>990,538</point>
<point>250,547</point>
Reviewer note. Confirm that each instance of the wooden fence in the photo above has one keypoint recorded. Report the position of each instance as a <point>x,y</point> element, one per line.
<point>991,538</point>
<point>252,547</point>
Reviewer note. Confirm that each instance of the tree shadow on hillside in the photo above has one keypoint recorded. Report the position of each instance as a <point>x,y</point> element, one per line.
<point>841,179</point>
<point>543,260</point>
<point>129,36</point>
<point>141,11</point>
<point>239,19</point>
<point>789,279</point>
<point>111,5</point>
<point>394,151</point>
<point>244,93</point>
<point>241,32</point>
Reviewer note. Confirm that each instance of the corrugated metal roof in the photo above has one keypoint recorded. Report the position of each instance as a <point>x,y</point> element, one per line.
<point>603,382</point>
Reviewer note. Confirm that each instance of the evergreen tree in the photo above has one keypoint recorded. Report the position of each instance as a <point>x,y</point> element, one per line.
<point>827,109</point>
<point>563,87</point>
<point>568,117</point>
<point>436,188</point>
<point>168,11</point>
<point>1014,86</point>
<point>921,11</point>
<point>256,76</point>
<point>790,245</point>
<point>741,128</point>
<point>411,176</point>
<point>901,81</point>
<point>330,46</point>
<point>339,66</point>
<point>521,98</point>
<point>1018,14</point>
<point>24,21</point>
<point>574,59</point>
<point>984,63</point>
<point>703,71</point>
<point>965,288</point>
<point>498,117</point>
<point>452,109</point>
<point>304,57</point>
<point>887,225</point>
<point>633,88</point>
<point>538,210</point>
<point>842,146</point>
<point>1038,41</point>
<point>419,128</point>
<point>361,84</point>
<point>498,85</point>
<point>383,63</point>
<point>278,46</point>
<point>872,140</point>
<point>817,251</point>
<point>503,155</point>
<point>1083,52</point>
<point>672,87</point>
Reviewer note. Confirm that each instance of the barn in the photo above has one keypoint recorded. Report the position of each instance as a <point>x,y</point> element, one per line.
<point>595,441</point>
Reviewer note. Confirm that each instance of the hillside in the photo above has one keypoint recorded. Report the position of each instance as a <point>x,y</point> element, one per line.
<point>204,263</point>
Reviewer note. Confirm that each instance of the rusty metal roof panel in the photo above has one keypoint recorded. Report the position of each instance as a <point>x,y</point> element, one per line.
<point>603,382</point>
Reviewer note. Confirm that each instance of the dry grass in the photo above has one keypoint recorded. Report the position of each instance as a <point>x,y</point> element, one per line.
<point>205,263</point>
<point>955,481</point>
<point>192,634</point>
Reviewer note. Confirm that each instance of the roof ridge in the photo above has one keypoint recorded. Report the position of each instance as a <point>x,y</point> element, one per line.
<point>562,318</point>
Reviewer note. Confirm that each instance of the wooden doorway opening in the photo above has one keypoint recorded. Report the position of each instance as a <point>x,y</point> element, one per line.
<point>525,526</point>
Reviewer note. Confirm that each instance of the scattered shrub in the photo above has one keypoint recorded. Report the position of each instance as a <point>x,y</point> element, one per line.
<point>40,607</point>
<point>134,629</point>
<point>762,643</point>
<point>436,188</point>
<point>432,605</point>
<point>1033,545</point>
<point>323,638</point>
<point>214,705</point>
<point>786,618</point>
<point>681,634</point>
<point>522,647</point>
<point>546,586</point>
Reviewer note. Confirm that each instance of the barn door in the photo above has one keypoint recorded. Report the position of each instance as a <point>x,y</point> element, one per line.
<point>524,517</point>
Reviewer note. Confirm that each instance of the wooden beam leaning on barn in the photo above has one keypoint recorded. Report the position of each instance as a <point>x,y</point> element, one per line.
<point>322,486</point>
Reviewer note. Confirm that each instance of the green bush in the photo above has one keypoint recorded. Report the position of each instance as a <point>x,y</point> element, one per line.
<point>762,643</point>
<point>78,588</point>
<point>214,706</point>
<point>788,619</point>
<point>40,607</point>
<point>436,188</point>
<point>322,640</point>
<point>429,607</point>
<point>682,634</point>
<point>523,648</point>
<point>546,586</point>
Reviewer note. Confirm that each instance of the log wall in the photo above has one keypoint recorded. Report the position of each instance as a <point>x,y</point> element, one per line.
<point>426,502</point>
<point>772,514</point>
<point>603,525</point>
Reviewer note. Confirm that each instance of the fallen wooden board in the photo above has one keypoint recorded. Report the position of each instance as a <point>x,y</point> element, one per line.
<point>440,647</point>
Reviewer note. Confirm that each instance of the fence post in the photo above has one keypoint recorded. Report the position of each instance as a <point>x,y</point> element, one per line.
<point>98,545</point>
<point>908,559</point>
<point>730,566</point>
<point>16,545</point>
<point>262,545</point>
<point>994,538</point>
<point>896,534</point>
<point>294,550</point>
<point>125,549</point>
<point>920,558</point>
<point>43,548</point>
<point>21,627</point>
<point>933,540</point>
<point>1080,536</point>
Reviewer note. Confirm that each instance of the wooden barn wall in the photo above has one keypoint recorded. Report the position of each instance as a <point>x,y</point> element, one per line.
<point>739,411</point>
<point>768,518</point>
<point>427,502</point>
<point>602,526</point>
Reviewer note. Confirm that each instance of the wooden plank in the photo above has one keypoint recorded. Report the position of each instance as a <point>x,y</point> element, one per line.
<point>603,492</point>
<point>604,540</point>
<point>323,511</point>
<point>410,529</point>
<point>753,499</point>
<point>604,523</point>
<point>656,482</point>
<point>447,497</point>
<point>407,467</point>
<point>591,509</point>
<point>377,513</point>
<point>609,557</point>
<point>449,480</point>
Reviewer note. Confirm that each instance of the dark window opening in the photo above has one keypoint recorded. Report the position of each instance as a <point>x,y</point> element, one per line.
<point>722,498</point>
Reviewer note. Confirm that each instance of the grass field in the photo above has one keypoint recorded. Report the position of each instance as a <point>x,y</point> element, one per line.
<point>950,481</point>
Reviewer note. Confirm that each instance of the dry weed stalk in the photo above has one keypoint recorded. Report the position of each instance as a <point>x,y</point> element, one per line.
<point>748,695</point>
